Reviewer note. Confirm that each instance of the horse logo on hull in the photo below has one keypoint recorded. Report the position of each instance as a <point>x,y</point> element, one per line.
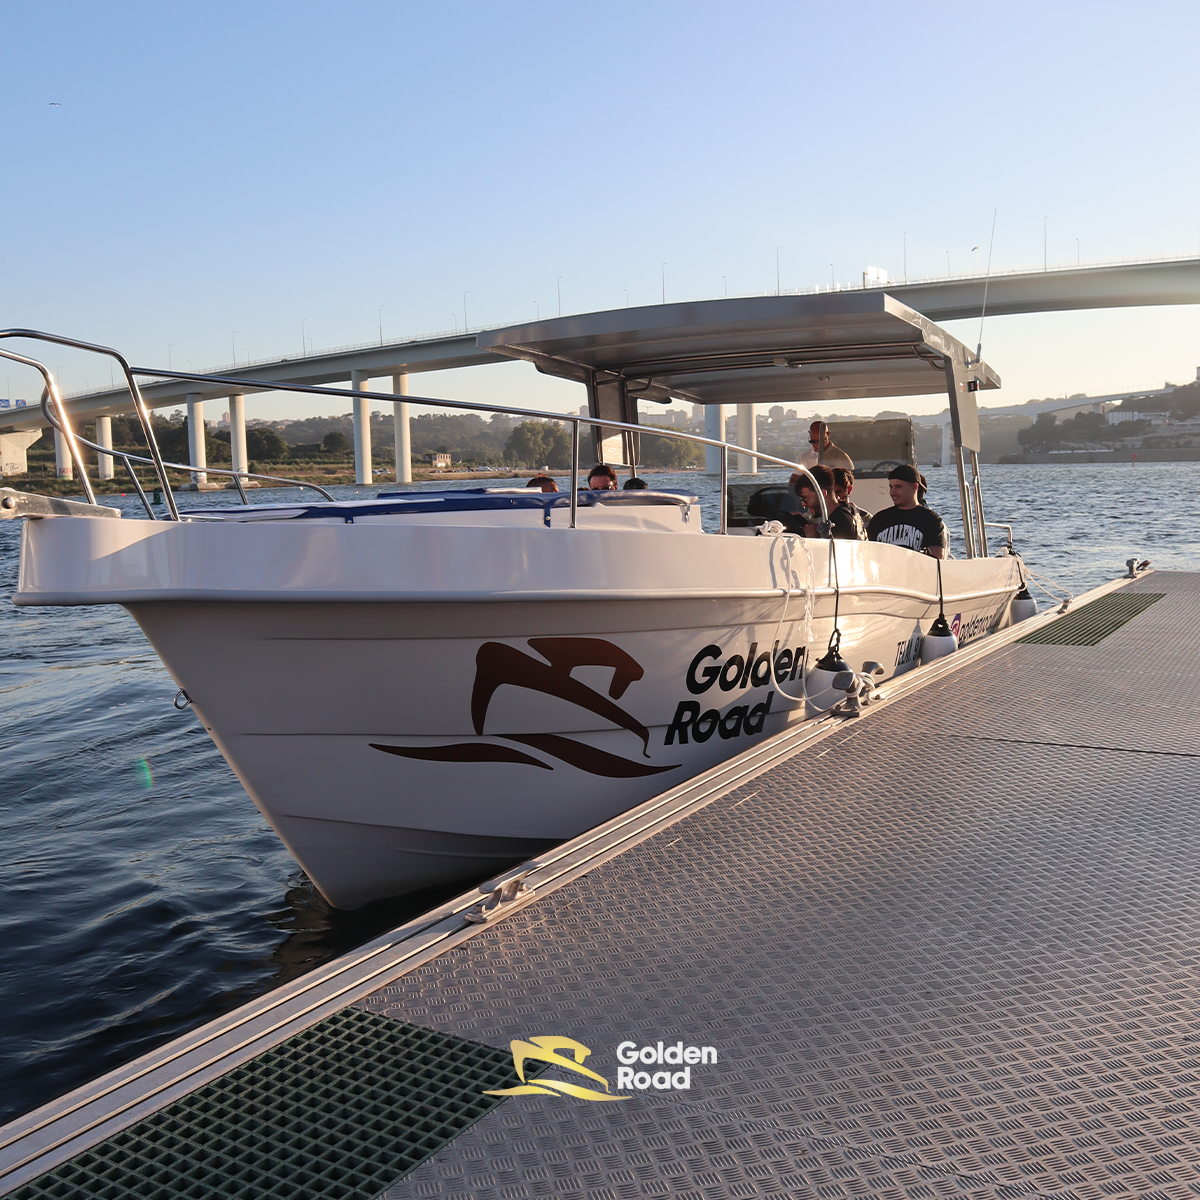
<point>548,670</point>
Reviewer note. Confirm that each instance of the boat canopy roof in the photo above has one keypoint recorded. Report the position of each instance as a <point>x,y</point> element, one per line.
<point>835,346</point>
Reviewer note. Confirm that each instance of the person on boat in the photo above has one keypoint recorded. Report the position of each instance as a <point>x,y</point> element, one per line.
<point>843,485</point>
<point>542,481</point>
<point>844,522</point>
<point>821,451</point>
<point>635,483</point>
<point>602,478</point>
<point>908,522</point>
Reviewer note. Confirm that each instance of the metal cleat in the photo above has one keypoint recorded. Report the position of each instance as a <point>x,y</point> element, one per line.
<point>502,893</point>
<point>859,687</point>
<point>14,504</point>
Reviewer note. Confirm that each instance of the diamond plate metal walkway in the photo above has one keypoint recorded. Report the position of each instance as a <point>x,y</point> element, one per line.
<point>951,948</point>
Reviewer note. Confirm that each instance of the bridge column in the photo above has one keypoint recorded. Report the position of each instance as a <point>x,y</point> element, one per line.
<point>13,460</point>
<point>714,427</point>
<point>747,438</point>
<point>360,381</point>
<point>237,434</point>
<point>403,433</point>
<point>64,468</point>
<point>196,453</point>
<point>104,462</point>
<point>947,445</point>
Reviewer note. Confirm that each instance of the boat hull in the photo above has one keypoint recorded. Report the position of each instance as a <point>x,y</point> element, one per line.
<point>396,737</point>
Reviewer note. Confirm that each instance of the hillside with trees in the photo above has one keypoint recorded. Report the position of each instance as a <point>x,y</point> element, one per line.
<point>1084,431</point>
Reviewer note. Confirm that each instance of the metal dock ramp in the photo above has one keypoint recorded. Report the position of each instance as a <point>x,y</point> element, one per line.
<point>949,948</point>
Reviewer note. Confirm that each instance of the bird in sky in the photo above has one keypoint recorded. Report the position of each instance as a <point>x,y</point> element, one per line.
<point>55,104</point>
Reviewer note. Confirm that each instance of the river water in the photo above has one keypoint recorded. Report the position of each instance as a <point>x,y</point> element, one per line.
<point>145,894</point>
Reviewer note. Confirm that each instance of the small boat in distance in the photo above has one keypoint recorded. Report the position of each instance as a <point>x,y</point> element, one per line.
<point>447,682</point>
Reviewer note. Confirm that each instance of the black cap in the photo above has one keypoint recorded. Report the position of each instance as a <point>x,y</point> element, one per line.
<point>905,472</point>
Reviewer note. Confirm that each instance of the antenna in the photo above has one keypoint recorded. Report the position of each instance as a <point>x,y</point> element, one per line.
<point>983,310</point>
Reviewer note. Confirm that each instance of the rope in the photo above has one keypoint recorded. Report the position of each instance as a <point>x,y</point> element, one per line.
<point>1049,587</point>
<point>809,589</point>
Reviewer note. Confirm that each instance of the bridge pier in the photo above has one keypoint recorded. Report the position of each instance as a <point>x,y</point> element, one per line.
<point>360,381</point>
<point>13,460</point>
<point>403,432</point>
<point>947,446</point>
<point>196,452</point>
<point>237,434</point>
<point>747,436</point>
<point>104,462</point>
<point>714,427</point>
<point>63,467</point>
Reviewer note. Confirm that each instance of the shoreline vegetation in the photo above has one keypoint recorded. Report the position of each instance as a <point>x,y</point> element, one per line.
<point>51,485</point>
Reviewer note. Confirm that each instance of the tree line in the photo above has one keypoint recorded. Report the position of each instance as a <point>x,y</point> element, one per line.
<point>548,444</point>
<point>1047,433</point>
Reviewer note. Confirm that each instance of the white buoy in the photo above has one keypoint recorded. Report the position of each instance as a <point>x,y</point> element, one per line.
<point>940,639</point>
<point>1023,605</point>
<point>938,642</point>
<point>819,693</point>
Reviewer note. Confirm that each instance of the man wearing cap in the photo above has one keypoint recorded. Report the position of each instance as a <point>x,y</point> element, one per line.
<point>908,523</point>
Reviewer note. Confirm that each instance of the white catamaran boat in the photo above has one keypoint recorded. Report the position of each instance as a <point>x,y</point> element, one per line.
<point>448,682</point>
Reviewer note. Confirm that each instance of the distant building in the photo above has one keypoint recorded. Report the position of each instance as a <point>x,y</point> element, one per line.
<point>1118,416</point>
<point>439,462</point>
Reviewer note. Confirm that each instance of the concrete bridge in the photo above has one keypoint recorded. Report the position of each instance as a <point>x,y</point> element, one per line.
<point>1105,285</point>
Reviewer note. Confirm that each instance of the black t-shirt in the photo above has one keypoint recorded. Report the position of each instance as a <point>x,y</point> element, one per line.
<point>914,528</point>
<point>844,522</point>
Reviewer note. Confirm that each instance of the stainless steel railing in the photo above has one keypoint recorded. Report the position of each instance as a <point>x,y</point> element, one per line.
<point>56,414</point>
<point>574,420</point>
<point>127,458</point>
<point>52,388</point>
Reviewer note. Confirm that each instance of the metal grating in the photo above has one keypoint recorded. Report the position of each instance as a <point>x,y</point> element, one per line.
<point>343,1109</point>
<point>1092,623</point>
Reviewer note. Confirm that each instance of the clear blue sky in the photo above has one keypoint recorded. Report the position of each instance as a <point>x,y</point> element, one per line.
<point>250,167</point>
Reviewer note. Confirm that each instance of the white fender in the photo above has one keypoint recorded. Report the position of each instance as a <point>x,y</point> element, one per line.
<point>1023,606</point>
<point>938,642</point>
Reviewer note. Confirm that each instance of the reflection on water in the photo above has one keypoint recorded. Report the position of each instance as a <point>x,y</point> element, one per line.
<point>314,933</point>
<point>144,892</point>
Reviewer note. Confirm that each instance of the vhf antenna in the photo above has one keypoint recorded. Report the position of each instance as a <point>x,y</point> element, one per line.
<point>983,310</point>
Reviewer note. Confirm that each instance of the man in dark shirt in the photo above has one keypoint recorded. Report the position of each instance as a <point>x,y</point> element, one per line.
<point>908,523</point>
<point>844,521</point>
<point>843,485</point>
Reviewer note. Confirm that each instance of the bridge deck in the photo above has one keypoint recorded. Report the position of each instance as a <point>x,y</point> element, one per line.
<point>950,949</point>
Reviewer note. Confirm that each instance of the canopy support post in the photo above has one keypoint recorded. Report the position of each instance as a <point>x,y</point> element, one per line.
<point>962,384</point>
<point>981,524</point>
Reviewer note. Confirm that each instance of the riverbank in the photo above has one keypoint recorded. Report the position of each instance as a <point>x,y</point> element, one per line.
<point>48,485</point>
<point>326,476</point>
<point>1145,455</point>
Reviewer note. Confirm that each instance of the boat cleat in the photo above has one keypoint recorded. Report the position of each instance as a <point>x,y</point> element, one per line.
<point>502,893</point>
<point>859,687</point>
